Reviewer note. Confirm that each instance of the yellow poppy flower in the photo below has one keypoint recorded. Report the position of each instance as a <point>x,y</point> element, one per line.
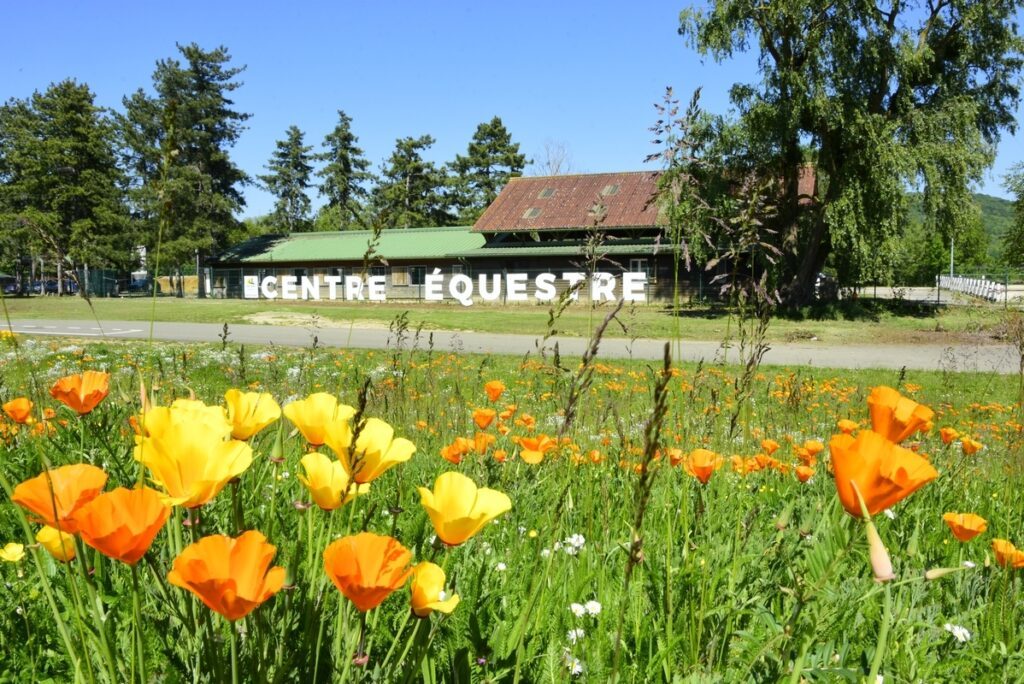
<point>61,545</point>
<point>192,462</point>
<point>322,420</point>
<point>250,412</point>
<point>327,481</point>
<point>428,593</point>
<point>458,509</point>
<point>375,451</point>
<point>188,412</point>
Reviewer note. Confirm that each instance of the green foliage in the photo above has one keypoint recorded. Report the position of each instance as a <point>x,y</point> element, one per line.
<point>754,578</point>
<point>290,169</point>
<point>61,191</point>
<point>189,120</point>
<point>491,160</point>
<point>880,98</point>
<point>1013,239</point>
<point>411,192</point>
<point>345,174</point>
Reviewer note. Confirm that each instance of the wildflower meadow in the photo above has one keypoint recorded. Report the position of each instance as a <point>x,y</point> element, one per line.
<point>214,513</point>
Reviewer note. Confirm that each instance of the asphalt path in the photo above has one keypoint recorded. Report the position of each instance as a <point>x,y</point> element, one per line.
<point>997,358</point>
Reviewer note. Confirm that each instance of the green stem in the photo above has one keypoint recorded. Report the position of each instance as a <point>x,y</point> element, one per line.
<point>883,636</point>
<point>137,610</point>
<point>234,653</point>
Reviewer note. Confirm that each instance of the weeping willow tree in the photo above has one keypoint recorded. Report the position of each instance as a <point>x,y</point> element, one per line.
<point>878,98</point>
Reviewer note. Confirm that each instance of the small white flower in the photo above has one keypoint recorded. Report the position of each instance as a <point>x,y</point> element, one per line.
<point>959,633</point>
<point>558,546</point>
<point>501,567</point>
<point>574,664</point>
<point>544,553</point>
<point>592,607</point>
<point>889,514</point>
<point>968,564</point>
<point>574,635</point>
<point>577,609</point>
<point>575,540</point>
<point>285,474</point>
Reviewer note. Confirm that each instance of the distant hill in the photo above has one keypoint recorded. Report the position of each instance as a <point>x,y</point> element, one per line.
<point>996,218</point>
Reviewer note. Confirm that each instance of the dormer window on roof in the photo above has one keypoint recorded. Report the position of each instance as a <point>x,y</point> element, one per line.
<point>546,193</point>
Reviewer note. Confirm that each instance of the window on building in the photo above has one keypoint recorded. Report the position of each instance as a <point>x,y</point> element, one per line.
<point>378,271</point>
<point>417,275</point>
<point>300,272</point>
<point>457,269</point>
<point>531,213</point>
<point>643,266</point>
<point>399,276</point>
<point>546,193</point>
<point>610,190</point>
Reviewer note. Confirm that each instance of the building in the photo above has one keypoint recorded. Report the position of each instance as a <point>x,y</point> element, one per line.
<point>606,223</point>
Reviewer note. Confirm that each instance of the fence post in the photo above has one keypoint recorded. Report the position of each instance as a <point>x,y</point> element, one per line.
<point>1006,289</point>
<point>938,290</point>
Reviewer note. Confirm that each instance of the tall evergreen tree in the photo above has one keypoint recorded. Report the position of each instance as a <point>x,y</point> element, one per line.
<point>61,190</point>
<point>411,191</point>
<point>177,145</point>
<point>345,175</point>
<point>492,158</point>
<point>290,170</point>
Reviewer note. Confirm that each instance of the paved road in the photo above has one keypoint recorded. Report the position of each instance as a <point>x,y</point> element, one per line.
<point>998,358</point>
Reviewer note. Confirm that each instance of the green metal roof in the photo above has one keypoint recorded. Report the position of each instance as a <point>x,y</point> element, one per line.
<point>577,249</point>
<point>352,245</point>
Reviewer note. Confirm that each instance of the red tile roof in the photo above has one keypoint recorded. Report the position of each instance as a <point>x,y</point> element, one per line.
<point>558,202</point>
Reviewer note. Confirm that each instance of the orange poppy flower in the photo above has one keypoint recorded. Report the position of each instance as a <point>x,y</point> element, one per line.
<point>484,417</point>
<point>494,389</point>
<point>19,410</point>
<point>675,456</point>
<point>482,442</point>
<point>813,447</point>
<point>123,523</point>
<point>948,435</point>
<point>847,426</point>
<point>884,472</point>
<point>500,455</point>
<point>56,495</point>
<point>232,576</point>
<point>804,473</point>
<point>367,567</point>
<point>456,450</point>
<point>896,417</point>
<point>527,421</point>
<point>509,411</point>
<point>702,463</point>
<point>970,446</point>
<point>770,446</point>
<point>533,449</point>
<point>82,392</point>
<point>1007,554</point>
<point>806,457</point>
<point>965,526</point>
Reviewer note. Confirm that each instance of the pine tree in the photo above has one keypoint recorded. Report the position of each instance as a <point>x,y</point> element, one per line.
<point>190,123</point>
<point>411,190</point>
<point>61,190</point>
<point>290,171</point>
<point>491,160</point>
<point>345,174</point>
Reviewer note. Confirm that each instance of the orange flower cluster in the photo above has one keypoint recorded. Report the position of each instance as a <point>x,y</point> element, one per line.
<point>873,463</point>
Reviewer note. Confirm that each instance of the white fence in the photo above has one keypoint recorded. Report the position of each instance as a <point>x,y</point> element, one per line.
<point>975,286</point>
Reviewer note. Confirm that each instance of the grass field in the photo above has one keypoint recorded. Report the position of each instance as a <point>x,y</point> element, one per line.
<point>866,321</point>
<point>614,561</point>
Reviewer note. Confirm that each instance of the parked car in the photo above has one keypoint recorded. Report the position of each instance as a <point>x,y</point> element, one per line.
<point>141,286</point>
<point>12,289</point>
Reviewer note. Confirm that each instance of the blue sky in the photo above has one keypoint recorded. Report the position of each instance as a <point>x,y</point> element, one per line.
<point>581,74</point>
